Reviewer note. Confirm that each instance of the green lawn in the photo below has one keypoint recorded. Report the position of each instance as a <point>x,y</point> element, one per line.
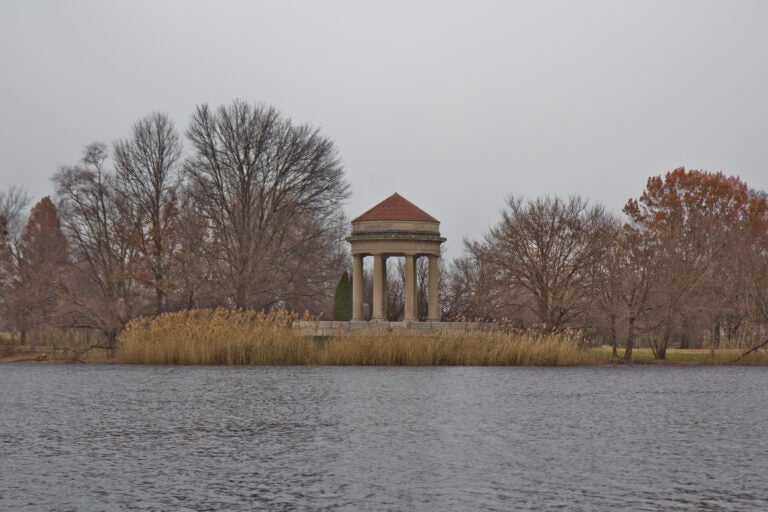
<point>693,356</point>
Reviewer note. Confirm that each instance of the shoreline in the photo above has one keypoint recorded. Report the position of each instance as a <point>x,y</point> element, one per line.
<point>223,337</point>
<point>682,358</point>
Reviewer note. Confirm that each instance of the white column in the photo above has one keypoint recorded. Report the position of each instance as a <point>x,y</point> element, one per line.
<point>379,287</point>
<point>411,302</point>
<point>433,314</point>
<point>357,287</point>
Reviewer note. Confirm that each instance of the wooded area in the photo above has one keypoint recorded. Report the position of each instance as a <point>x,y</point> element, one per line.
<point>248,215</point>
<point>688,265</point>
<point>249,218</point>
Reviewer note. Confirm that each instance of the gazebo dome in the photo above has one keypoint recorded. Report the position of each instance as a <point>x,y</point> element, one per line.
<point>396,218</point>
<point>396,207</point>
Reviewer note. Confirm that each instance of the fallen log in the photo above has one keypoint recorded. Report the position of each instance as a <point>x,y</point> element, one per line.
<point>753,349</point>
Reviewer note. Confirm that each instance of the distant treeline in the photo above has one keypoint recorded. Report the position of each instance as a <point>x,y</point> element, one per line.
<point>248,216</point>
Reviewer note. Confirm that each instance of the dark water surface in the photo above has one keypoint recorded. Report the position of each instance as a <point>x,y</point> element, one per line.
<point>103,438</point>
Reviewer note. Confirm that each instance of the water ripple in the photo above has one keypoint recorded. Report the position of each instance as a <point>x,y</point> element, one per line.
<point>114,438</point>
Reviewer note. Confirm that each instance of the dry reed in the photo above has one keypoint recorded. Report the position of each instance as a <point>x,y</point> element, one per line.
<point>229,337</point>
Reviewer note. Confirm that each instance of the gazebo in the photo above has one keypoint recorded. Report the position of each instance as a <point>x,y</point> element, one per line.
<point>394,227</point>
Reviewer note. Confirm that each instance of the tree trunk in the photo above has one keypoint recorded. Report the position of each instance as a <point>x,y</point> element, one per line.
<point>716,333</point>
<point>159,296</point>
<point>630,339</point>
<point>661,350</point>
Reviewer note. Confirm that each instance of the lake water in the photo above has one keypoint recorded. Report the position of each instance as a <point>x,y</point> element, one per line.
<point>104,438</point>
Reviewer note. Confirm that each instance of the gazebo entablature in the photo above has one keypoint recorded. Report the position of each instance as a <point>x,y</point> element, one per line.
<point>413,248</point>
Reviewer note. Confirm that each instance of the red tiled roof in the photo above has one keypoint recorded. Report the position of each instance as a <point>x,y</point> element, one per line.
<point>396,207</point>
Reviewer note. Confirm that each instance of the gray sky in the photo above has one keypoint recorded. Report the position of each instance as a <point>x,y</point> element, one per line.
<point>455,105</point>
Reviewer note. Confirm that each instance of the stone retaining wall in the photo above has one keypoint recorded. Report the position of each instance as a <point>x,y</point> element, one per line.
<point>337,328</point>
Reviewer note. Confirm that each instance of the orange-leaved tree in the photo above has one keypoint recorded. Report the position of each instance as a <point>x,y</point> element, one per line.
<point>33,298</point>
<point>696,225</point>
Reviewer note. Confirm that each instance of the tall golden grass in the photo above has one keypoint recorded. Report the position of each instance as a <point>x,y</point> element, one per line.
<point>226,337</point>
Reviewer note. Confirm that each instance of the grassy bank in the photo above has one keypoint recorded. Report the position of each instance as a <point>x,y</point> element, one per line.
<point>697,357</point>
<point>236,338</point>
<point>224,337</point>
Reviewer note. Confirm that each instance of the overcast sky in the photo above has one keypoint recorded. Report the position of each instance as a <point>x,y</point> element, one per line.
<point>455,105</point>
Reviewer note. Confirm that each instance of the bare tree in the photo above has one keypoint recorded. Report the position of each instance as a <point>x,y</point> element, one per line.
<point>638,279</point>
<point>471,292</point>
<point>316,252</point>
<point>754,258</point>
<point>605,284</point>
<point>395,307</point>
<point>193,268</point>
<point>270,193</point>
<point>146,183</point>
<point>12,205</point>
<point>544,248</point>
<point>101,293</point>
<point>460,291</point>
